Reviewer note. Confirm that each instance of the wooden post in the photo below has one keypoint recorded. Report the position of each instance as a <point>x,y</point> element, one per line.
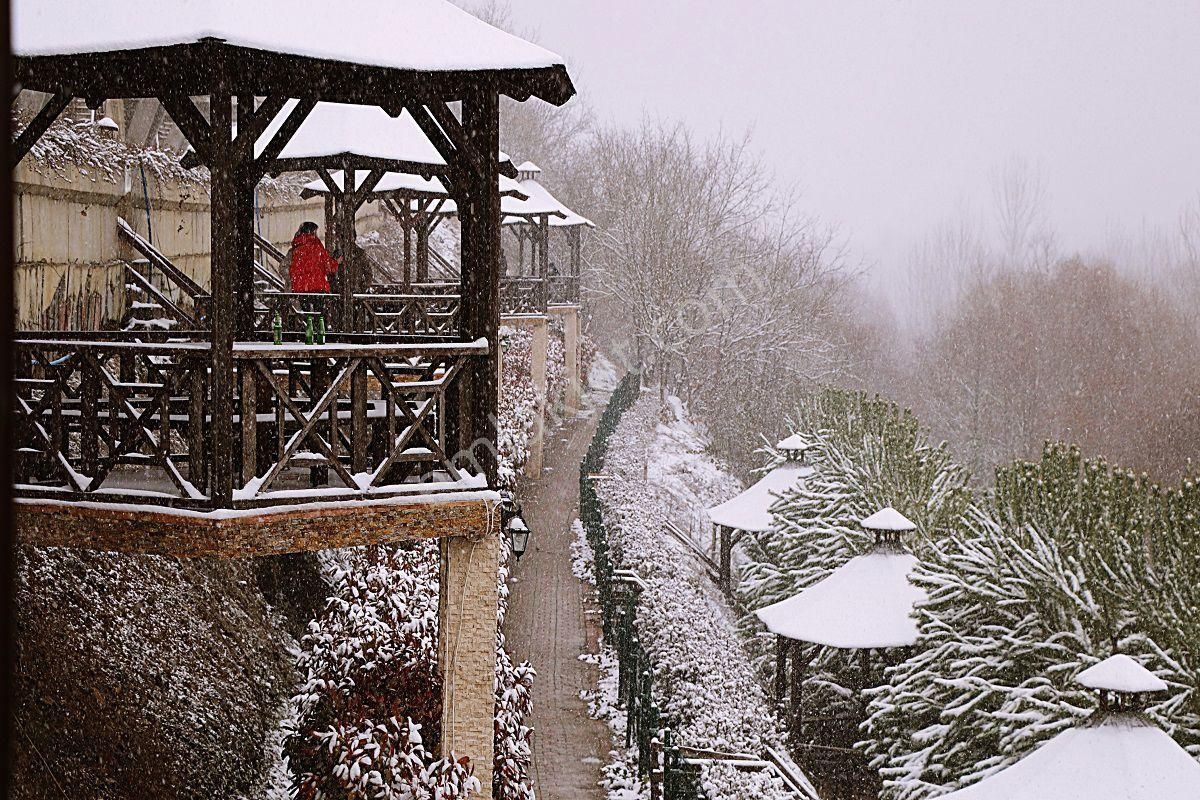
<point>249,418</point>
<point>781,654</point>
<point>725,575</point>
<point>479,219</point>
<point>799,667</point>
<point>424,228</point>
<point>225,251</point>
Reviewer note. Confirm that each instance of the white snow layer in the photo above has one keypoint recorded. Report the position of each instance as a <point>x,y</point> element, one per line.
<point>888,519</point>
<point>1120,673</point>
<point>866,602</point>
<point>793,442</point>
<point>1122,758</point>
<point>750,510</point>
<point>430,35</point>
<point>333,129</point>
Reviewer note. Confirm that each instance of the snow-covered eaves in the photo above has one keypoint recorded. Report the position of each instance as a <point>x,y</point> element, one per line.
<point>1122,758</point>
<point>1120,673</point>
<point>426,35</point>
<point>540,202</point>
<point>403,183</point>
<point>369,52</point>
<point>867,602</point>
<point>751,510</point>
<point>888,519</point>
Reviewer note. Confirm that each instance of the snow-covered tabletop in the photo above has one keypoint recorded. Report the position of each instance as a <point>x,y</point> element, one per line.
<point>866,602</point>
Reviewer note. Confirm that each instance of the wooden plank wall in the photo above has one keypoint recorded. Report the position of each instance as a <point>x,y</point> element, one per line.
<point>68,270</point>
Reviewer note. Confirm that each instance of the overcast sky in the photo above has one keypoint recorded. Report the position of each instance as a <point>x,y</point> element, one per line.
<point>890,115</point>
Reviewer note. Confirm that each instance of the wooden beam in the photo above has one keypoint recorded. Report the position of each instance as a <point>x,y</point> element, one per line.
<point>39,125</point>
<point>224,254</point>
<point>266,161</point>
<point>196,129</point>
<point>479,217</point>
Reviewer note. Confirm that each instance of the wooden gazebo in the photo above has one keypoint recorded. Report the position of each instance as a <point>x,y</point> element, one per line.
<point>749,511</point>
<point>218,441</point>
<point>418,203</point>
<point>865,605</point>
<point>1115,754</point>
<point>531,222</point>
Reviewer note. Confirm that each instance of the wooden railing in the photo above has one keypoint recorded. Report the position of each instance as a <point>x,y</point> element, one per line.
<point>398,314</point>
<point>520,294</point>
<point>563,290</point>
<point>126,421</point>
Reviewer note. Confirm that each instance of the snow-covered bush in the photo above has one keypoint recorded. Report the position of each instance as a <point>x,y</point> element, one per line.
<point>1064,563</point>
<point>518,403</point>
<point>366,721</point>
<point>372,683</point>
<point>703,681</point>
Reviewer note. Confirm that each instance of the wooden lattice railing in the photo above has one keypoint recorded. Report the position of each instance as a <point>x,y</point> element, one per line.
<point>126,421</point>
<point>399,314</point>
<point>563,290</point>
<point>521,294</point>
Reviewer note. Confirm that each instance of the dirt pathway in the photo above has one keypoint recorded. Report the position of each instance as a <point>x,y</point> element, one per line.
<point>546,625</point>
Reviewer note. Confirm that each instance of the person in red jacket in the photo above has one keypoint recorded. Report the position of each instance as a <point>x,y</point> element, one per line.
<point>309,264</point>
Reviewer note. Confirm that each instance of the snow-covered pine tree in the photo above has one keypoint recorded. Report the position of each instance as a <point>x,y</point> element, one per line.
<point>1066,562</point>
<point>868,454</point>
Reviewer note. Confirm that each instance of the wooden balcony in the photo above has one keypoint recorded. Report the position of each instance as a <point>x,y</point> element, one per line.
<point>125,419</point>
<point>522,294</point>
<point>562,290</point>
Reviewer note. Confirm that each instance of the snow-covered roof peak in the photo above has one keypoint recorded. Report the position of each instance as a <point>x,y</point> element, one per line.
<point>529,166</point>
<point>793,442</point>
<point>427,35</point>
<point>888,519</point>
<point>1120,673</point>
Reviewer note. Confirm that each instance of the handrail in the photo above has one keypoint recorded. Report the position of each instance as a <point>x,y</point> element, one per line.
<point>173,273</point>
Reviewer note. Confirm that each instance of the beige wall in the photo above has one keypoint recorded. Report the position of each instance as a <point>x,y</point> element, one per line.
<point>68,269</point>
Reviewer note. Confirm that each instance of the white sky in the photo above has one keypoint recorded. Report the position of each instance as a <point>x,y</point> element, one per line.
<point>889,115</point>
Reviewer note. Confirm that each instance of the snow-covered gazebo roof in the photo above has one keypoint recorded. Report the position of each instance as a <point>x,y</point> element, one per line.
<point>888,519</point>
<point>751,510</point>
<point>426,36</point>
<point>334,131</point>
<point>865,603</point>
<point>1111,756</point>
<point>1120,673</point>
<point>541,201</point>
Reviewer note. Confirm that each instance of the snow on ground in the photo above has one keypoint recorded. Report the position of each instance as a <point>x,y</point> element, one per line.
<point>603,375</point>
<point>707,688</point>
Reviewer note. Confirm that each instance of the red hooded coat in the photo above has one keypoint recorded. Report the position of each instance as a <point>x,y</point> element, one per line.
<point>311,264</point>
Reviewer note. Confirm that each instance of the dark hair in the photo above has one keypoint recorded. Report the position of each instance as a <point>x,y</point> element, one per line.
<point>307,227</point>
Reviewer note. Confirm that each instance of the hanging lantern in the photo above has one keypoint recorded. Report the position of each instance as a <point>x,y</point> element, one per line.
<point>518,534</point>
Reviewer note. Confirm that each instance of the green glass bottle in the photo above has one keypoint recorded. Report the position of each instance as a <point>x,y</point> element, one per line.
<point>277,329</point>
<point>308,329</point>
<point>320,329</point>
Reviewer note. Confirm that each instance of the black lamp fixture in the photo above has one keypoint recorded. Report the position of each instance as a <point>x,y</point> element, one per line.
<point>518,535</point>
